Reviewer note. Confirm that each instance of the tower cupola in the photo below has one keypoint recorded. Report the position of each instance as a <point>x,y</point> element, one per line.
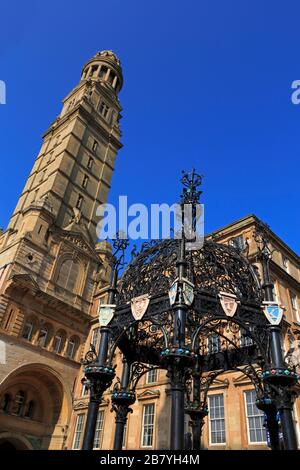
<point>106,68</point>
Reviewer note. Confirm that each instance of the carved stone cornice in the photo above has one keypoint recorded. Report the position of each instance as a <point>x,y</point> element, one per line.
<point>25,283</point>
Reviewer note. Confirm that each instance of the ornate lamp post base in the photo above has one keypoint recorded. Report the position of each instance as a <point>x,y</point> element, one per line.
<point>121,402</point>
<point>197,412</point>
<point>99,378</point>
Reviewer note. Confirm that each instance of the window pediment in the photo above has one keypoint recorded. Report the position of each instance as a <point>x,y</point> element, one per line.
<point>148,394</point>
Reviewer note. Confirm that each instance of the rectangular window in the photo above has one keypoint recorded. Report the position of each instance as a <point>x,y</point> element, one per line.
<point>104,109</point>
<point>79,202</point>
<point>85,181</point>
<point>95,337</point>
<point>90,162</point>
<point>148,425</point>
<point>214,344</point>
<point>294,304</point>
<point>27,332</point>
<point>238,242</point>
<point>99,430</point>
<point>151,376</point>
<point>84,391</point>
<point>255,419</point>
<point>216,419</point>
<point>78,432</point>
<point>246,340</point>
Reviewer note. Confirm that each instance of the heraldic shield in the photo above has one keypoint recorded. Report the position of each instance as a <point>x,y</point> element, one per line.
<point>106,313</point>
<point>188,291</point>
<point>273,313</point>
<point>229,303</point>
<point>139,306</point>
<point>173,292</point>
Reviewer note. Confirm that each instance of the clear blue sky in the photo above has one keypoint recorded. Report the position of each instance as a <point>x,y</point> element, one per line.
<point>207,85</point>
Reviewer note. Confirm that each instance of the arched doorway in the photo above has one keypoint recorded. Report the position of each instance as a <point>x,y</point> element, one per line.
<point>34,406</point>
<point>9,442</point>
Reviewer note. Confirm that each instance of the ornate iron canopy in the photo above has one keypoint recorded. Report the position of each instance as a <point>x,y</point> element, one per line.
<point>195,313</point>
<point>212,269</point>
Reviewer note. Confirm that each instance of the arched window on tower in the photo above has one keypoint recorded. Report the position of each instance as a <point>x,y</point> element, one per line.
<point>42,337</point>
<point>28,330</point>
<point>72,347</point>
<point>6,403</point>
<point>103,71</point>
<point>19,403</point>
<point>59,341</point>
<point>30,410</point>
<point>68,275</point>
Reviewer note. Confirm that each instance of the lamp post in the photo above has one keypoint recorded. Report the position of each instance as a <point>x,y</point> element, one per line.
<point>180,357</point>
<point>98,373</point>
<point>278,377</point>
<point>176,369</point>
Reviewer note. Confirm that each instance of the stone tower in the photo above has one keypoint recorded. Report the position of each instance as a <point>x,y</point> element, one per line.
<point>50,263</point>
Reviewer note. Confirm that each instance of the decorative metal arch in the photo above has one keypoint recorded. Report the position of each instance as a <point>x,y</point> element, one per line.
<point>171,334</point>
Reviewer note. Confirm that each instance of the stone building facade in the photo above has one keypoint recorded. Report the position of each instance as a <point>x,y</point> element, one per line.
<point>54,274</point>
<point>51,266</point>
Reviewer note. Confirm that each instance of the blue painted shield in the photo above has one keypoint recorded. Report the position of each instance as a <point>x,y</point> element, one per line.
<point>273,313</point>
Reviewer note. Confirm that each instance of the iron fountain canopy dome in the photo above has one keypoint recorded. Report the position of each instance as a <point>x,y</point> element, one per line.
<point>214,268</point>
